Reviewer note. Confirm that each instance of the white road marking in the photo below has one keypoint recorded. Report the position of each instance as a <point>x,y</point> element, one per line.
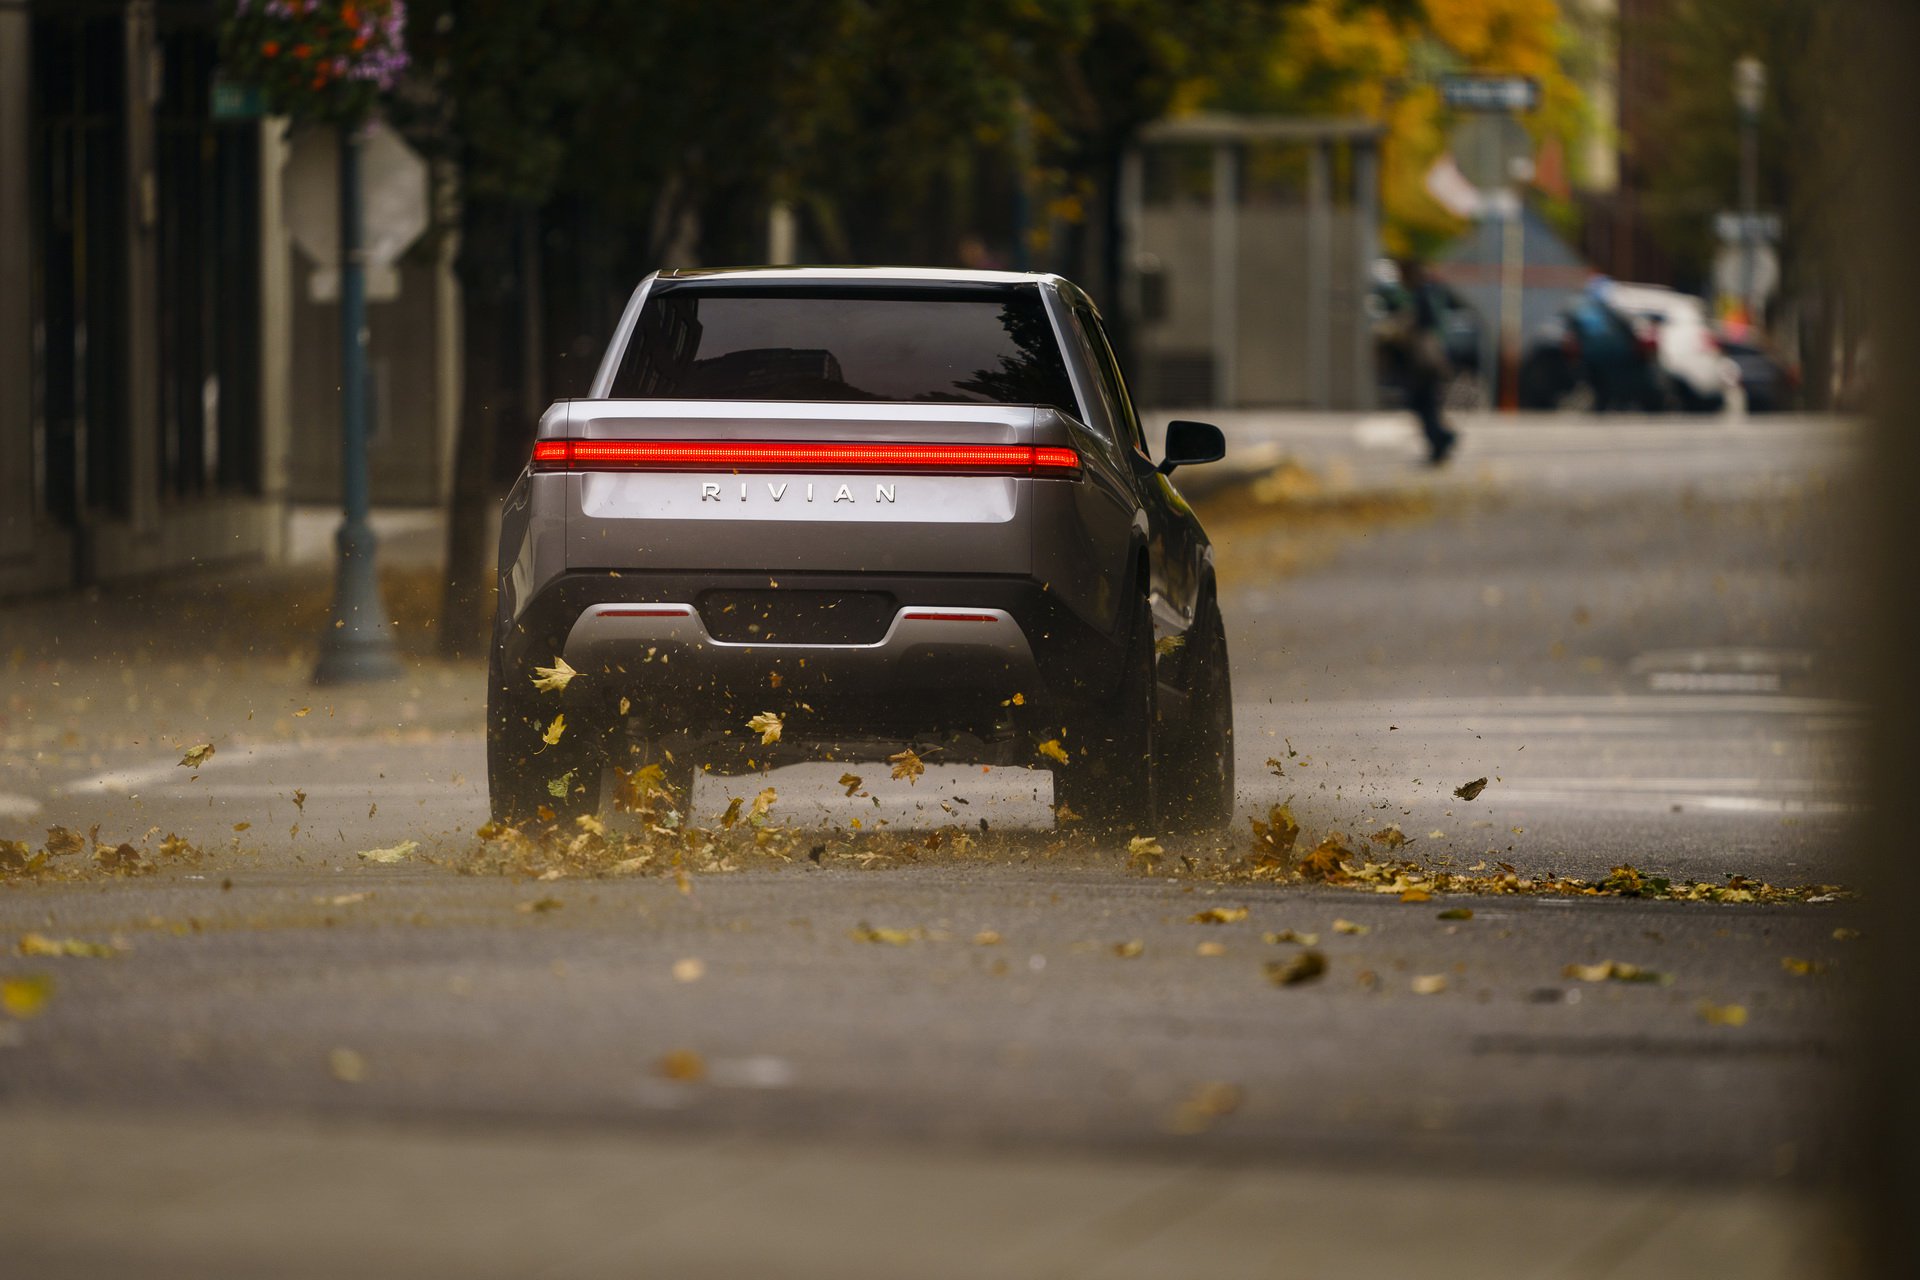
<point>1398,711</point>
<point>1715,681</point>
<point>1771,804</point>
<point>1383,431</point>
<point>1651,797</point>
<point>12,806</point>
<point>332,790</point>
<point>235,758</point>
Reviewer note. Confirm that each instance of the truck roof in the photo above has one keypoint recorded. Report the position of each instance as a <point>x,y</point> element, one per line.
<point>862,275</point>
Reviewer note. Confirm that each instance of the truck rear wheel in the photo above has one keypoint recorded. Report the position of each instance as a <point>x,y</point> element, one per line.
<point>1197,778</point>
<point>1109,777</point>
<point>530,780</point>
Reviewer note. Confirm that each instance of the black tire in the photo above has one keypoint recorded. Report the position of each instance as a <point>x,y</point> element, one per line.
<point>677,769</point>
<point>1544,380</point>
<point>523,769</point>
<point>1691,401</point>
<point>1109,777</point>
<point>1196,777</point>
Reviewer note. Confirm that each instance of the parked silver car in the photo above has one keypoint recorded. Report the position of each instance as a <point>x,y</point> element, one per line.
<point>892,508</point>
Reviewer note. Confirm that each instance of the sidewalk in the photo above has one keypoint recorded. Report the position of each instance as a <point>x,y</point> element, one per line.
<point>93,678</point>
<point>203,1197</point>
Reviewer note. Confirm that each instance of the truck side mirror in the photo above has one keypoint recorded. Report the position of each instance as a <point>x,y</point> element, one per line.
<point>1189,443</point>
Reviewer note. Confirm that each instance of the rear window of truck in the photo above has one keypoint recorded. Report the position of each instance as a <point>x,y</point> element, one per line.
<point>732,342</point>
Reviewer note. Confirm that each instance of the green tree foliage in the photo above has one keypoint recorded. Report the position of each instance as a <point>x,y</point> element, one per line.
<point>1813,130</point>
<point>1383,61</point>
<point>1810,135</point>
<point>873,117</point>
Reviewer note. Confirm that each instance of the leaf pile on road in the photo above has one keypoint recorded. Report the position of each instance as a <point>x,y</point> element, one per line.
<point>66,854</point>
<point>1291,517</point>
<point>1275,856</point>
<point>652,835</point>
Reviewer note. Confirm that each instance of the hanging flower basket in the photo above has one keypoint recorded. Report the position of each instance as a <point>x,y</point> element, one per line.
<point>316,60</point>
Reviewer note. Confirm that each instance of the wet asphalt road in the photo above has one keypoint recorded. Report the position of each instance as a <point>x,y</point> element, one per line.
<point>1638,634</point>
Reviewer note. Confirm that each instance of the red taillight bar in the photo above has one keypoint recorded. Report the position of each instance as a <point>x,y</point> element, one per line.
<point>778,455</point>
<point>644,611</point>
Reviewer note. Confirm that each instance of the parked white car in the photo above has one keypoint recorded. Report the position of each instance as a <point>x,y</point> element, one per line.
<point>1697,372</point>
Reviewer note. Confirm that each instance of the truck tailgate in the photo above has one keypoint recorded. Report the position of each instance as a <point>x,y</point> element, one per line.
<point>784,487</point>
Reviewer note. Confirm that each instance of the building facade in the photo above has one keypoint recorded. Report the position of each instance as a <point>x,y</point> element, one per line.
<point>1249,242</point>
<point>166,386</point>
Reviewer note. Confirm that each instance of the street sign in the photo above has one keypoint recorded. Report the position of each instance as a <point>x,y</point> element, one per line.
<point>229,101</point>
<point>1487,148</point>
<point>1746,228</point>
<point>1730,268</point>
<point>1491,93</point>
<point>393,194</point>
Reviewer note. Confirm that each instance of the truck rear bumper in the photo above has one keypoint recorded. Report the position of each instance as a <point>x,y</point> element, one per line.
<point>923,645</point>
<point>664,643</point>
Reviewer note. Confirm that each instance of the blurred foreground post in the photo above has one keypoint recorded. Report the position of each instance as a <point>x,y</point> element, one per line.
<point>358,643</point>
<point>1884,104</point>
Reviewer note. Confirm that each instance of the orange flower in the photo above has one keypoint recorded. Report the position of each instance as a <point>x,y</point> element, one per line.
<point>271,48</point>
<point>359,43</point>
<point>303,51</point>
<point>350,13</point>
<point>320,80</point>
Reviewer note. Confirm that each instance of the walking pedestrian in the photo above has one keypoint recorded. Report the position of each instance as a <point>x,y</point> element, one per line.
<point>1424,357</point>
<point>1609,354</point>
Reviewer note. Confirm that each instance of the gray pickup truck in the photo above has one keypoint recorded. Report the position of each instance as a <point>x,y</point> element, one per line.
<point>893,508</point>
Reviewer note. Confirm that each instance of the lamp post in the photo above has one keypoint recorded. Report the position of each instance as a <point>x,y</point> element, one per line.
<point>1749,95</point>
<point>330,62</point>
<point>358,643</point>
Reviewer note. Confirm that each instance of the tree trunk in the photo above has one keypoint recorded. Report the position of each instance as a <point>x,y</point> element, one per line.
<point>485,267</point>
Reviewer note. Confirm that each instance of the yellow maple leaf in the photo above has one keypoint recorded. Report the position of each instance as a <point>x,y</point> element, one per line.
<point>1052,750</point>
<point>553,679</point>
<point>347,1066</point>
<point>1218,915</point>
<point>554,730</point>
<point>38,944</point>
<point>907,764</point>
<point>851,781</point>
<point>1303,967</point>
<point>390,854</point>
<point>767,725</point>
<point>197,756</point>
<point>24,996</point>
<point>864,932</point>
<point>683,1065</point>
<point>1723,1015</point>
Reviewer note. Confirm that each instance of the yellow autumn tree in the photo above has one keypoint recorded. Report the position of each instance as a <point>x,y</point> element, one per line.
<point>1382,60</point>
